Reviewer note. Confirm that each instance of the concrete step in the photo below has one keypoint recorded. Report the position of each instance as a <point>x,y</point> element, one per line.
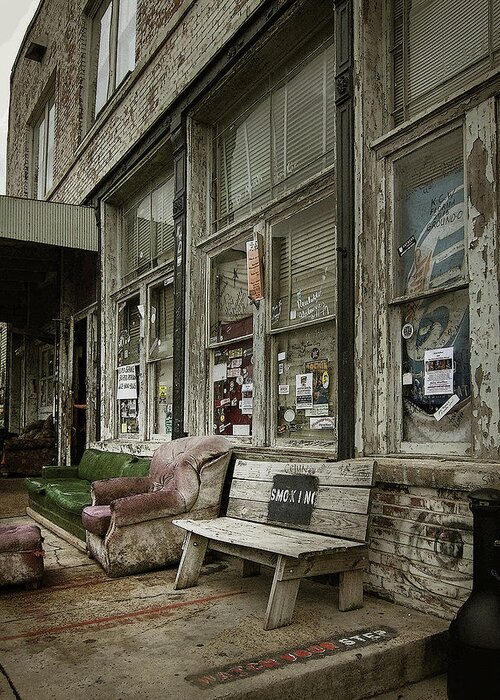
<point>84,635</point>
<point>428,689</point>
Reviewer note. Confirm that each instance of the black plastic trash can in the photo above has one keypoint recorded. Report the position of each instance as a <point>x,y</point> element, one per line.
<point>474,644</point>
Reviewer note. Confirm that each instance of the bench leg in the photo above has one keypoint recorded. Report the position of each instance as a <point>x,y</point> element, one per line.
<point>281,603</point>
<point>250,568</point>
<point>351,590</point>
<point>193,554</point>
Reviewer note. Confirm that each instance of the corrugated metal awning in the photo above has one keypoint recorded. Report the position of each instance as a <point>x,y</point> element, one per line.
<point>52,223</point>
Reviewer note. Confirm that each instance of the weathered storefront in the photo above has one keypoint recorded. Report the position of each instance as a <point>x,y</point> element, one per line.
<point>298,242</point>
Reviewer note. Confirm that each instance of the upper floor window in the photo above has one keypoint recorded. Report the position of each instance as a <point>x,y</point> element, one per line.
<point>148,230</point>
<point>438,46</point>
<point>113,46</point>
<point>43,150</point>
<point>276,137</point>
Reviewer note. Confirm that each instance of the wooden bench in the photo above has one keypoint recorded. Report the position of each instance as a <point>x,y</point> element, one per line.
<point>301,519</point>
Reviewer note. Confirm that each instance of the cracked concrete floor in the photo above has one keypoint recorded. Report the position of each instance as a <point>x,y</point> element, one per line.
<point>85,636</point>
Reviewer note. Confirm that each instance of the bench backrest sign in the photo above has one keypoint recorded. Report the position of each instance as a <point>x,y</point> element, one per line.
<point>292,498</point>
<point>325,497</point>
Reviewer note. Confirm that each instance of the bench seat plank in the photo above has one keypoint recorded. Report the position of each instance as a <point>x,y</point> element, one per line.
<point>278,540</point>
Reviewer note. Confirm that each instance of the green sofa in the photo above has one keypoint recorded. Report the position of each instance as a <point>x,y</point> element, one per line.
<point>61,493</point>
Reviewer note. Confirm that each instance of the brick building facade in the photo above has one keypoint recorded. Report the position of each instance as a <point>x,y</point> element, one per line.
<point>315,136</point>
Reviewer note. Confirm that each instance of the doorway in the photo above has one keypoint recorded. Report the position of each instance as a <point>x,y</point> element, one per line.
<point>80,398</point>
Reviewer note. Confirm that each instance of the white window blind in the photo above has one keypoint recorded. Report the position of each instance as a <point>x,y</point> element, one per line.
<point>162,323</point>
<point>148,231</point>
<point>438,46</point>
<point>161,214</point>
<point>276,143</point>
<point>304,272</point>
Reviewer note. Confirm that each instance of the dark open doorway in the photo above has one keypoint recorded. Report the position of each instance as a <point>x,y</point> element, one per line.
<point>79,427</point>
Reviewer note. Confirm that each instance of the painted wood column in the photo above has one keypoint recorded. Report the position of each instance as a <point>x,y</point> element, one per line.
<point>178,135</point>
<point>344,130</point>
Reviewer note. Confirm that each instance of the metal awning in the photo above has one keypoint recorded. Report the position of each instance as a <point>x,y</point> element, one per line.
<point>52,223</point>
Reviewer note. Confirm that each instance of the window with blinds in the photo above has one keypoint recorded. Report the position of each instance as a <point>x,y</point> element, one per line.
<point>129,325</point>
<point>148,231</point>
<point>438,47</point>
<point>161,322</point>
<point>304,258</point>
<point>278,141</point>
<point>160,358</point>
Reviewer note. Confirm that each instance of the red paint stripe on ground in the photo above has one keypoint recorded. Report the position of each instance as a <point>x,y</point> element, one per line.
<point>121,616</point>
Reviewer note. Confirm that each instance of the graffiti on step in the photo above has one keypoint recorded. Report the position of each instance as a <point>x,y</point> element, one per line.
<point>295,654</point>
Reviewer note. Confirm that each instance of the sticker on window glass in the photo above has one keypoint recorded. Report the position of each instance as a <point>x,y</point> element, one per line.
<point>446,407</point>
<point>407,331</point>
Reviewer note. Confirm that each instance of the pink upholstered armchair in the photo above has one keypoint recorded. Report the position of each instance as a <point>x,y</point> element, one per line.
<point>129,525</point>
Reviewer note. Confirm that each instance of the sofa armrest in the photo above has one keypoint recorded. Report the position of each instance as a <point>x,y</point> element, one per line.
<point>147,506</point>
<point>107,490</point>
<point>49,472</point>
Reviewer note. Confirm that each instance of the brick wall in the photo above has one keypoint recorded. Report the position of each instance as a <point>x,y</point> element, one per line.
<point>175,41</point>
<point>421,547</point>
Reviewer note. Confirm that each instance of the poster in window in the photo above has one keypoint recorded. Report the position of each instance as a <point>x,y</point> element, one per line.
<point>433,214</point>
<point>304,390</point>
<point>126,387</point>
<point>438,372</point>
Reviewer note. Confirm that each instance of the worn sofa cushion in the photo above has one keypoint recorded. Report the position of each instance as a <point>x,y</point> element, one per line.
<point>96,464</point>
<point>69,494</point>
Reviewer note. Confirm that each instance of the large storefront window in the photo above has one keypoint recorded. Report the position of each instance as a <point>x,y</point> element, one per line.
<point>431,282</point>
<point>283,136</point>
<point>129,337</point>
<point>160,358</point>
<point>231,326</point>
<point>303,298</point>
<point>271,251</point>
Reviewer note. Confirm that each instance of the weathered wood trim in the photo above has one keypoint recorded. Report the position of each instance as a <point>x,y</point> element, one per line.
<point>481,153</point>
<point>344,154</point>
<point>178,134</point>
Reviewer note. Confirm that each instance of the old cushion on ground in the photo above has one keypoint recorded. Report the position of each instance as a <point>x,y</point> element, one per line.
<point>21,554</point>
<point>20,538</point>
<point>96,519</point>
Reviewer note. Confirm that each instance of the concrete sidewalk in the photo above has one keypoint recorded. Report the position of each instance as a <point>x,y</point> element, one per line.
<point>84,635</point>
